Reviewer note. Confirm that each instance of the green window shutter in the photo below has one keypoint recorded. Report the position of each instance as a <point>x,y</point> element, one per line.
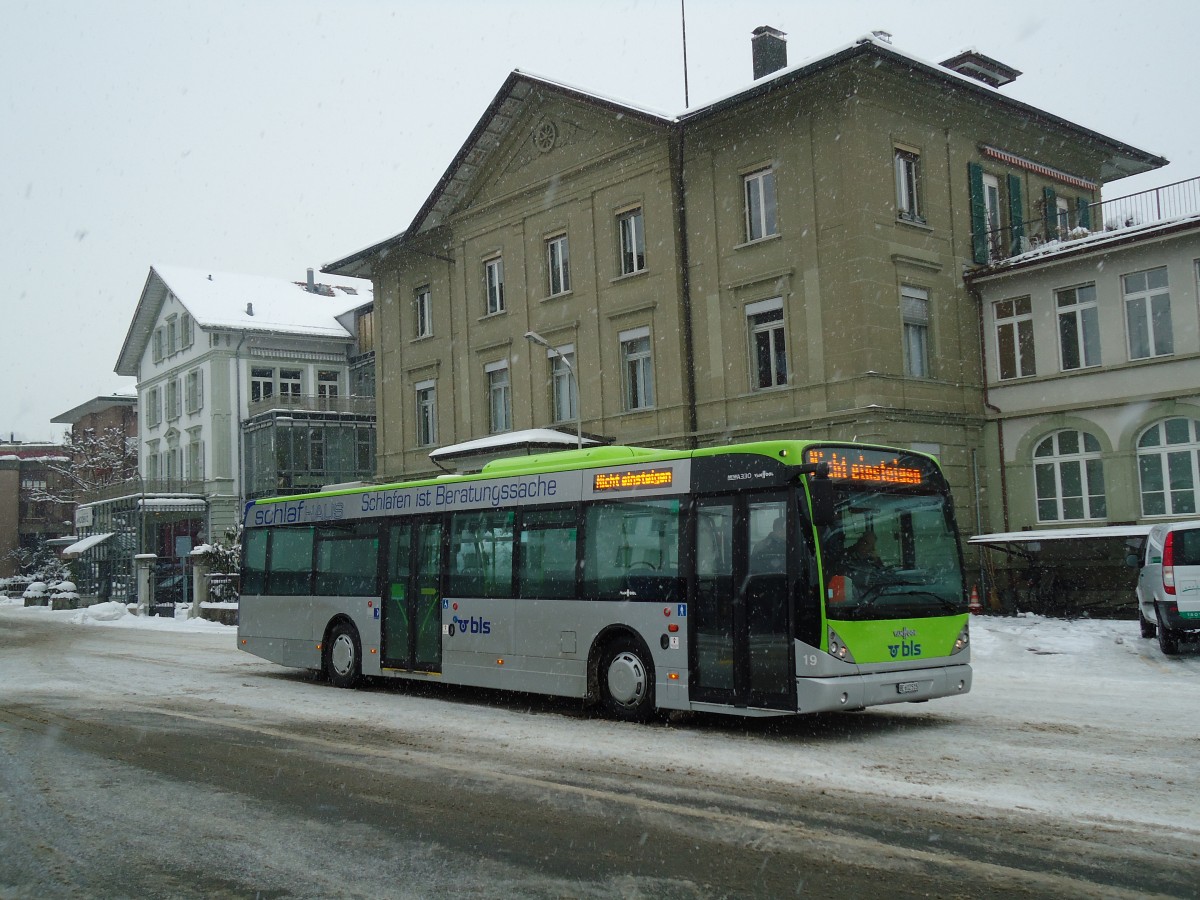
<point>979,244</point>
<point>1050,212</point>
<point>1083,213</point>
<point>1016,215</point>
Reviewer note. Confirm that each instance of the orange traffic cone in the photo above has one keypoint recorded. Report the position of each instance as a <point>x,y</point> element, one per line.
<point>975,608</point>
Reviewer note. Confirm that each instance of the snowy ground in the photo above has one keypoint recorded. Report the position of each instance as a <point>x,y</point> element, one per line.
<point>1077,719</point>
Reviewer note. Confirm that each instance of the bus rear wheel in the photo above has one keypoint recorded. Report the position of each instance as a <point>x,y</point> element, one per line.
<point>627,680</point>
<point>342,659</point>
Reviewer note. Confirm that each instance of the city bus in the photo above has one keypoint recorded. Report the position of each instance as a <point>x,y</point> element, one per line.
<point>759,579</point>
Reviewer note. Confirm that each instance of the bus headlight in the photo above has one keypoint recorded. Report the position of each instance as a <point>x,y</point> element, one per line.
<point>838,648</point>
<point>963,640</point>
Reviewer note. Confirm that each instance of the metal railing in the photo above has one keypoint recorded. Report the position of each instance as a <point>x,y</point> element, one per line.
<point>1155,205</point>
<point>1160,204</point>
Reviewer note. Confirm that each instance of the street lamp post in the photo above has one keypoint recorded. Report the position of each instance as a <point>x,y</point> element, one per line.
<point>535,338</point>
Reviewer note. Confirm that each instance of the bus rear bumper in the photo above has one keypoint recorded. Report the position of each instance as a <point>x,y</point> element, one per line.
<point>880,688</point>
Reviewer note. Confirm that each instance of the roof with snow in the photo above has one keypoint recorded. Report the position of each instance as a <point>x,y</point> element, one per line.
<point>95,405</point>
<point>520,89</point>
<point>241,303</point>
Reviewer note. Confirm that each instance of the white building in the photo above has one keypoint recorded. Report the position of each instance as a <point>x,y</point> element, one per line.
<point>218,357</point>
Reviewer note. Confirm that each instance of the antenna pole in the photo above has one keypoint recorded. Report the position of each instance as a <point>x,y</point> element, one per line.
<point>683,27</point>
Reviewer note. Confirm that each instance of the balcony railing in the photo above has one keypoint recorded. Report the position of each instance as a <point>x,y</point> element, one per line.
<point>1160,204</point>
<point>137,487</point>
<point>356,406</point>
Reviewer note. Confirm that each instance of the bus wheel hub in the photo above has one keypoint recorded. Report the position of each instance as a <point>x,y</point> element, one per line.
<point>626,679</point>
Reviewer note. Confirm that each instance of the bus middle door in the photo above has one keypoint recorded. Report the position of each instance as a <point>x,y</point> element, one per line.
<point>412,600</point>
<point>741,612</point>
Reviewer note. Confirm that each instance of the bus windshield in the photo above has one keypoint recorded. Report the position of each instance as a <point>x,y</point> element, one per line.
<point>890,555</point>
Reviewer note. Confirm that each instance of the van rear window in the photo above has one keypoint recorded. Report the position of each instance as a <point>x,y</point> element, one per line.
<point>1187,547</point>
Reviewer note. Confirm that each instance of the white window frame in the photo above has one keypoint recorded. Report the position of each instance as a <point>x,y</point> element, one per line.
<point>564,392</point>
<point>328,383</point>
<point>423,311</point>
<point>153,407</point>
<point>558,265</point>
<point>1078,319</point>
<point>262,378</point>
<point>631,233</point>
<point>195,460</point>
<point>765,322</point>
<point>991,215</point>
<point>761,204</point>
<point>915,315</point>
<point>172,335</point>
<point>1062,217</point>
<point>1160,340</point>
<point>499,396</point>
<point>291,383</point>
<point>187,330</point>
<point>907,165</point>
<point>493,279</point>
<point>1014,328</point>
<point>426,397</point>
<point>1175,466</point>
<point>158,344</point>
<point>194,391</point>
<point>174,400</point>
<point>1050,471</point>
<point>637,366</point>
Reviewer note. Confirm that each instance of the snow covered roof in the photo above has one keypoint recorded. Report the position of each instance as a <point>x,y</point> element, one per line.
<point>82,546</point>
<point>240,302</point>
<point>1062,534</point>
<point>509,443</point>
<point>95,405</point>
<point>511,102</point>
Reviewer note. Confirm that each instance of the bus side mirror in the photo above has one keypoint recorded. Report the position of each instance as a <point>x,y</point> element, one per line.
<point>824,512</point>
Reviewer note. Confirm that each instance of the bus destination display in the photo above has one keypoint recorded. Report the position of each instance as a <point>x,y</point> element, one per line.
<point>632,479</point>
<point>865,465</point>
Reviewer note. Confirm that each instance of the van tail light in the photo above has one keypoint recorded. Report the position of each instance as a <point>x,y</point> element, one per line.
<point>1168,564</point>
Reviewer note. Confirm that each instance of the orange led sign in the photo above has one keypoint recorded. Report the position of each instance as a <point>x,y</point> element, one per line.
<point>866,465</point>
<point>629,480</point>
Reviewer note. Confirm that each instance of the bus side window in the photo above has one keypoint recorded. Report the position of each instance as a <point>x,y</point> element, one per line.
<point>290,563</point>
<point>348,560</point>
<point>632,550</point>
<point>254,560</point>
<point>547,567</point>
<point>481,555</point>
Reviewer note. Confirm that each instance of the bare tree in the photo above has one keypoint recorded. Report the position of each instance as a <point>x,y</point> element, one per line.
<point>91,459</point>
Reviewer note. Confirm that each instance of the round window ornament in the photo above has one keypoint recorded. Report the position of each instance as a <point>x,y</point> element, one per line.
<point>544,135</point>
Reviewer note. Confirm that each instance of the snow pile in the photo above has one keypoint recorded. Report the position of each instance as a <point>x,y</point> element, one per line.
<point>112,611</point>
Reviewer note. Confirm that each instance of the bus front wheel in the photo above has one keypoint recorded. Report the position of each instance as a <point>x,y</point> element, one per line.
<point>627,680</point>
<point>343,656</point>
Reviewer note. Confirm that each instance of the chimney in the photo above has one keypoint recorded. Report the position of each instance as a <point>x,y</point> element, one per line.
<point>312,285</point>
<point>768,47</point>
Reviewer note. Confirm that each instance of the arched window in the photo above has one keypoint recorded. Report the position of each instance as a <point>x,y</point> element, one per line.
<point>1069,477</point>
<point>1169,467</point>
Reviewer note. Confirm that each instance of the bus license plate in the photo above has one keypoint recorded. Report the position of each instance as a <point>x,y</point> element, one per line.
<point>907,687</point>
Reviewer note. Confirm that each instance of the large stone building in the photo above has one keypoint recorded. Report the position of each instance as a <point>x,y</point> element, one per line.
<point>786,261</point>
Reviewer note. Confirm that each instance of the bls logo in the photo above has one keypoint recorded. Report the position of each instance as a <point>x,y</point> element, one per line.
<point>905,648</point>
<point>472,625</point>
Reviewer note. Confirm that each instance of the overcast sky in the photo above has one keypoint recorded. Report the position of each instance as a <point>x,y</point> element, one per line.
<point>267,136</point>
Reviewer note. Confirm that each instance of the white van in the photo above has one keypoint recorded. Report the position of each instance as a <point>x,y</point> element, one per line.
<point>1168,586</point>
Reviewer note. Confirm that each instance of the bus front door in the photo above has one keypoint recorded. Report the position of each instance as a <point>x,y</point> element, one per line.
<point>412,615</point>
<point>742,649</point>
